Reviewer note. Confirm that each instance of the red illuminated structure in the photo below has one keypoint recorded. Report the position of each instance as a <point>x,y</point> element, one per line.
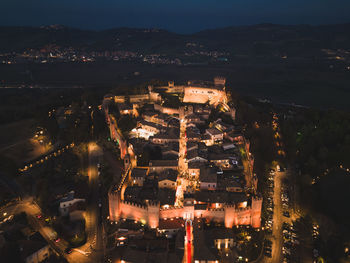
<point>188,241</point>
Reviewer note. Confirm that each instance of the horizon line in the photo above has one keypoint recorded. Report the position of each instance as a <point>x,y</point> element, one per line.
<point>175,31</point>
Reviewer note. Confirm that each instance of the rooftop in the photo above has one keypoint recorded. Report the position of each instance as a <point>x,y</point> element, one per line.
<point>171,223</point>
<point>213,131</point>
<point>168,174</point>
<point>201,251</point>
<point>163,163</point>
<point>166,196</point>
<point>220,197</point>
<point>208,175</point>
<point>139,172</point>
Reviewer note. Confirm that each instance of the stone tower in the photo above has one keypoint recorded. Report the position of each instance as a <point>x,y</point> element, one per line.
<point>230,215</point>
<point>114,205</point>
<point>219,81</point>
<point>153,214</point>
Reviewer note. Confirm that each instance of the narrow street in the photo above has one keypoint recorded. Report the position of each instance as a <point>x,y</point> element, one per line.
<point>94,243</point>
<point>183,166</point>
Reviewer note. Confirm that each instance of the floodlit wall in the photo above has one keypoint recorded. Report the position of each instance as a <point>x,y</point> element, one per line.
<point>171,212</point>
<point>203,95</point>
<point>256,212</point>
<point>151,213</point>
<point>133,211</point>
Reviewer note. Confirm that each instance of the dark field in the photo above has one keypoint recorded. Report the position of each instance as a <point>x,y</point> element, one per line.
<point>281,82</point>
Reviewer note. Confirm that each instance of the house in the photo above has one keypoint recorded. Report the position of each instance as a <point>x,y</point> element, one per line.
<point>228,146</point>
<point>222,238</point>
<point>194,118</point>
<point>35,249</point>
<point>202,109</point>
<point>68,204</point>
<point>161,165</point>
<point>192,136</point>
<point>215,134</point>
<point>171,151</point>
<point>233,136</point>
<point>161,119</point>
<point>194,169</point>
<point>222,126</point>
<point>202,253</point>
<point>148,115</point>
<point>167,179</point>
<point>150,126</point>
<point>146,129</point>
<point>138,176</point>
<point>163,138</point>
<point>221,160</point>
<point>125,108</point>
<point>191,146</point>
<point>196,155</point>
<point>207,139</point>
<point>229,184</point>
<point>207,178</point>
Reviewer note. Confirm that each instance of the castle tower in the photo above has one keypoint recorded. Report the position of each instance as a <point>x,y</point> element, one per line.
<point>230,216</point>
<point>219,81</point>
<point>256,212</point>
<point>114,205</point>
<point>171,84</point>
<point>126,161</point>
<point>153,214</point>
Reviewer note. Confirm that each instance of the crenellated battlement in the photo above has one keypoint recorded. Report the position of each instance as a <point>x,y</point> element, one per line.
<point>133,204</point>
<point>153,204</point>
<point>215,209</point>
<point>242,209</point>
<point>171,208</point>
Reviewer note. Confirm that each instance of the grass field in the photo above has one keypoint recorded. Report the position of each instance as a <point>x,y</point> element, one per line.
<point>17,141</point>
<point>16,133</point>
<point>309,84</point>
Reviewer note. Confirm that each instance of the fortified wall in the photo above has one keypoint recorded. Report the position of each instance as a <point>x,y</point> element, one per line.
<point>151,213</point>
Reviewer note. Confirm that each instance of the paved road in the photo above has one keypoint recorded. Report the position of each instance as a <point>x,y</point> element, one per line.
<point>94,229</point>
<point>183,166</point>
<point>278,219</point>
<point>92,250</point>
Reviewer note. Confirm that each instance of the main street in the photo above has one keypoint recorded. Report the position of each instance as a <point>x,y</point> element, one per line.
<point>183,166</point>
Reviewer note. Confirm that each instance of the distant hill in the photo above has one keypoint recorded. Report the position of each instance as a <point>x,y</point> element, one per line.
<point>256,39</point>
<point>300,64</point>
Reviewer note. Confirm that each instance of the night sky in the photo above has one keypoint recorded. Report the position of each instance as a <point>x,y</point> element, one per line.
<point>184,16</point>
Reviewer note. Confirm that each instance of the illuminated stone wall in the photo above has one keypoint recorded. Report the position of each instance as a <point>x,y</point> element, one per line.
<point>203,95</point>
